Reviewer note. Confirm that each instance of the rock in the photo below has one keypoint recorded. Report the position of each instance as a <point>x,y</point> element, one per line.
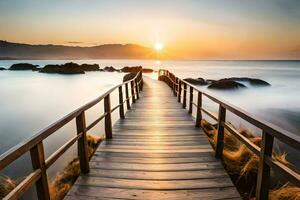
<point>2,68</point>
<point>251,81</point>
<point>196,81</point>
<point>23,66</point>
<point>90,67</point>
<point>135,69</point>
<point>225,84</point>
<point>148,70</point>
<point>129,76</point>
<point>110,69</point>
<point>68,68</point>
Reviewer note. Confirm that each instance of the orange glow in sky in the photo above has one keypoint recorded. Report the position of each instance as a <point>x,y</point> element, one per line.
<point>217,29</point>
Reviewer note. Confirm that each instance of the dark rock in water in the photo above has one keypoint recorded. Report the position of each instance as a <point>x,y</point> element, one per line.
<point>226,85</point>
<point>2,68</point>
<point>148,70</point>
<point>251,81</point>
<point>129,76</point>
<point>23,66</point>
<point>135,69</point>
<point>110,69</point>
<point>90,67</point>
<point>196,81</point>
<point>68,68</point>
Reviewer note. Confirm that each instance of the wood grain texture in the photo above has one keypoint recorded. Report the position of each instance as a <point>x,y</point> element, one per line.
<point>156,153</point>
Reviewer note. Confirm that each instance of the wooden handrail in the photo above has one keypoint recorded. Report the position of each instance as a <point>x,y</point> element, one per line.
<point>270,131</point>
<point>34,144</point>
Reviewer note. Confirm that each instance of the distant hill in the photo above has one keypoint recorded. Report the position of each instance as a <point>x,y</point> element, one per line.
<point>9,50</point>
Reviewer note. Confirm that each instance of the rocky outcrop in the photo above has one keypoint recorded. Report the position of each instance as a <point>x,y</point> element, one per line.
<point>196,81</point>
<point>2,68</point>
<point>135,69</point>
<point>148,70</point>
<point>129,76</point>
<point>226,85</point>
<point>90,67</point>
<point>110,69</point>
<point>251,81</point>
<point>68,68</point>
<point>23,66</point>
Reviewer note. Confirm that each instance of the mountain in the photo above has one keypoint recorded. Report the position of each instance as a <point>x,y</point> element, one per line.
<point>9,50</point>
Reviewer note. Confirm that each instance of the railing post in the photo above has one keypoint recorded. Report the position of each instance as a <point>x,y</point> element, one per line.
<point>142,83</point>
<point>137,89</point>
<point>220,136</point>
<point>127,96</point>
<point>82,144</point>
<point>179,91</point>
<point>184,95</point>
<point>121,109</point>
<point>38,162</point>
<point>140,78</point>
<point>108,125</point>
<point>174,84</point>
<point>191,100</point>
<point>263,176</point>
<point>199,111</point>
<point>177,88</point>
<point>132,92</point>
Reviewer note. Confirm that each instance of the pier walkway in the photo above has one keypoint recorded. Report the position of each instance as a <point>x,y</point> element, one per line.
<point>156,153</point>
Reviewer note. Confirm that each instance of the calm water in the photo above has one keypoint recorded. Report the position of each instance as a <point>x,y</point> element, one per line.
<point>30,100</point>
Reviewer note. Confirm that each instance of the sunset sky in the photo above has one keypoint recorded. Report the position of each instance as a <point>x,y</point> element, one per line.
<point>190,29</point>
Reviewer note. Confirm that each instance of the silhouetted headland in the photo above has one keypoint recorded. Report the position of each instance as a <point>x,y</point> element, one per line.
<point>106,51</point>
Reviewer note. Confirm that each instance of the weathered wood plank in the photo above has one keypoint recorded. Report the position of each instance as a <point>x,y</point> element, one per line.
<point>154,155</point>
<point>156,167</point>
<point>142,160</point>
<point>165,175</point>
<point>154,185</point>
<point>93,193</point>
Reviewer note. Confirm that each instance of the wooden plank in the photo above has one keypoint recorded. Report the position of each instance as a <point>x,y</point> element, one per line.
<point>157,167</point>
<point>150,143</point>
<point>153,155</point>
<point>154,185</point>
<point>156,175</point>
<point>155,147</point>
<point>142,160</point>
<point>93,193</point>
<point>158,151</point>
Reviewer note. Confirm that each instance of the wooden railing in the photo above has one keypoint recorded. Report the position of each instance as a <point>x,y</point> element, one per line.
<point>269,132</point>
<point>35,146</point>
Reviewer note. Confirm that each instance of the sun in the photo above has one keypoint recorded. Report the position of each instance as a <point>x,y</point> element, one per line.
<point>158,46</point>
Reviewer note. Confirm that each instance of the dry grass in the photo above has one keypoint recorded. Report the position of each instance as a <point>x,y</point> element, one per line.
<point>286,192</point>
<point>6,185</point>
<point>240,162</point>
<point>63,180</point>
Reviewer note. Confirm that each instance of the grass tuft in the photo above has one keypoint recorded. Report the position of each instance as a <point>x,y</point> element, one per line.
<point>6,185</point>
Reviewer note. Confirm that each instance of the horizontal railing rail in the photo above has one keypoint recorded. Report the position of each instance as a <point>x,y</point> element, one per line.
<point>269,131</point>
<point>34,144</point>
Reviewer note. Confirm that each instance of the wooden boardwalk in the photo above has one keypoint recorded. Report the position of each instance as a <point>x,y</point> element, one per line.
<point>156,153</point>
